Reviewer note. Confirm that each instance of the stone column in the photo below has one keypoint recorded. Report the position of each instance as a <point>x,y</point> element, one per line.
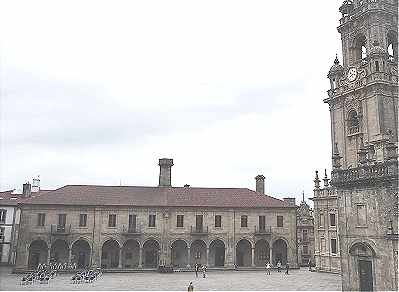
<point>188,257</point>
<point>70,255</point>
<point>207,256</point>
<point>120,258</point>
<point>253,257</point>
<point>48,255</point>
<point>140,257</point>
<point>271,256</point>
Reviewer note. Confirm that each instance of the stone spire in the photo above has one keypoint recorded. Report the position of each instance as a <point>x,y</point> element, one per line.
<point>317,181</point>
<point>336,157</point>
<point>325,179</point>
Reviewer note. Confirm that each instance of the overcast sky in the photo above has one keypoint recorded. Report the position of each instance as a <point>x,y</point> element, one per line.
<point>95,92</point>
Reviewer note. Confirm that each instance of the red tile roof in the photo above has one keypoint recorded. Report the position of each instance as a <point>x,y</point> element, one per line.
<point>88,195</point>
<point>7,198</point>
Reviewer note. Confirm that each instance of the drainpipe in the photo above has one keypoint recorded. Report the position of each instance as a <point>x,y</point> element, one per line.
<point>234,238</point>
<point>92,242</point>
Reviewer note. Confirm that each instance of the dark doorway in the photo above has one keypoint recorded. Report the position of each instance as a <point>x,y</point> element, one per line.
<point>35,260</point>
<point>150,258</point>
<point>365,275</point>
<point>219,256</point>
<point>81,260</point>
<point>240,259</point>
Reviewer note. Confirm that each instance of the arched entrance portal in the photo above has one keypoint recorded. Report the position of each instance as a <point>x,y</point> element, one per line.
<point>179,254</point>
<point>38,252</point>
<point>198,252</point>
<point>216,253</point>
<point>262,253</point>
<point>279,252</point>
<point>59,252</point>
<point>130,254</point>
<point>110,254</point>
<point>362,258</point>
<point>150,254</point>
<point>81,253</point>
<point>244,253</point>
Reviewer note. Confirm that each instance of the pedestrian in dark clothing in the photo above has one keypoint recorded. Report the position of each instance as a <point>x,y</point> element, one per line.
<point>190,287</point>
<point>196,270</point>
<point>287,266</point>
<point>310,265</point>
<point>279,266</point>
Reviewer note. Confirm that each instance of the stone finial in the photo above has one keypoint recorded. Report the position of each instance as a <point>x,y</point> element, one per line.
<point>317,181</point>
<point>303,196</point>
<point>336,157</point>
<point>336,61</point>
<point>165,172</point>
<point>260,184</point>
<point>325,179</point>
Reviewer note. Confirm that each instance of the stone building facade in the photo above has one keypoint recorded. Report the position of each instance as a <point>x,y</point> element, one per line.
<point>363,102</point>
<point>326,231</point>
<point>305,233</point>
<point>143,227</point>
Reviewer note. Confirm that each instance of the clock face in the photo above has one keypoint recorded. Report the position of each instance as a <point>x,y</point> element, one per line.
<point>352,74</point>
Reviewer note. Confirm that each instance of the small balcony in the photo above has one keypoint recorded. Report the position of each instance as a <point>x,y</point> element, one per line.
<point>265,230</point>
<point>199,230</point>
<point>60,229</point>
<point>131,230</point>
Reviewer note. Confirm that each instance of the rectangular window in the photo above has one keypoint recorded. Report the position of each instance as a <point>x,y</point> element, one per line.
<point>41,219</point>
<point>218,221</point>
<point>332,219</point>
<point>2,233</point>
<point>179,220</point>
<point>361,215</point>
<point>132,222</point>
<point>62,220</point>
<point>199,222</point>
<point>305,235</point>
<point>280,221</point>
<point>151,220</point>
<point>321,220</point>
<point>305,249</point>
<point>333,246</point>
<point>82,220</point>
<point>262,222</point>
<point>112,220</point>
<point>322,245</point>
<point>244,221</point>
<point>3,214</point>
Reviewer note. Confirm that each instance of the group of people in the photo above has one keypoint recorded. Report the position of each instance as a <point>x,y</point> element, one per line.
<point>268,267</point>
<point>86,276</point>
<point>198,268</point>
<point>43,274</point>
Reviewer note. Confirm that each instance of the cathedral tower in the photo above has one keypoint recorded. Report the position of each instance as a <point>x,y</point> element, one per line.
<point>363,103</point>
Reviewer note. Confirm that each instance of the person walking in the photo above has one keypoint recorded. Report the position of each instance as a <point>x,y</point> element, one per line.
<point>287,266</point>
<point>204,271</point>
<point>196,267</point>
<point>268,268</point>
<point>190,287</point>
<point>279,266</point>
<point>310,265</point>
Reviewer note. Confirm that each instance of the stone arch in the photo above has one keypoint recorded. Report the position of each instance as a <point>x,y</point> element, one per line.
<point>81,253</point>
<point>198,254</point>
<point>131,253</point>
<point>217,253</point>
<point>179,253</point>
<point>151,249</point>
<point>59,252</point>
<point>38,253</point>
<point>262,252</point>
<point>110,254</point>
<point>280,251</point>
<point>108,238</point>
<point>392,44</point>
<point>362,248</point>
<point>359,49</point>
<point>244,253</point>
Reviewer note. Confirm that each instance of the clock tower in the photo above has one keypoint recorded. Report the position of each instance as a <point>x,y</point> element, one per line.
<point>363,104</point>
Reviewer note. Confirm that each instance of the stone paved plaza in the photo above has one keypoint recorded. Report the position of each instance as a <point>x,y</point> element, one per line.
<point>216,280</point>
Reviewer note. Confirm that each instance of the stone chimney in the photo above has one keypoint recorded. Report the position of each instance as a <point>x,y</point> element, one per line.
<point>290,201</point>
<point>26,190</point>
<point>260,184</point>
<point>165,172</point>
